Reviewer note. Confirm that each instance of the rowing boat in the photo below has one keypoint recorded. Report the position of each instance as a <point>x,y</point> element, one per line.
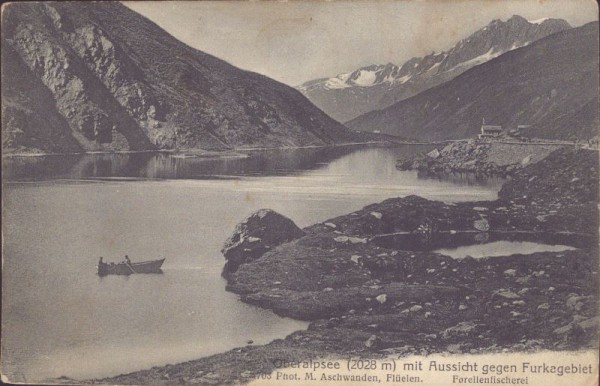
<point>125,268</point>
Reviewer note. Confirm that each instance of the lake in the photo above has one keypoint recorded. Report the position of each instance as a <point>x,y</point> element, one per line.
<point>60,213</point>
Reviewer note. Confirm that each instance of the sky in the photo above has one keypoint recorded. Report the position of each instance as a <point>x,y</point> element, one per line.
<point>297,41</point>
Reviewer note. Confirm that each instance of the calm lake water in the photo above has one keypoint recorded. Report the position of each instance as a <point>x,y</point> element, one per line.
<point>61,213</point>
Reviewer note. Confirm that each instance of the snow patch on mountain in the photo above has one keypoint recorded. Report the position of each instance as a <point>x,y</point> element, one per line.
<point>338,82</point>
<point>518,45</point>
<point>403,79</point>
<point>365,78</point>
<point>538,21</point>
<point>491,54</point>
<point>434,67</point>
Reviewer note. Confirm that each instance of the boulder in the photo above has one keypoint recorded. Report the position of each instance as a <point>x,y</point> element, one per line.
<point>461,329</point>
<point>257,234</point>
<point>374,342</point>
<point>481,225</point>
<point>576,303</point>
<point>510,272</point>
<point>435,153</point>
<point>579,329</point>
<point>377,215</point>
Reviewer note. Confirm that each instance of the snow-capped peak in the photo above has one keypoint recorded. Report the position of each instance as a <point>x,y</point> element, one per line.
<point>375,87</point>
<point>364,77</point>
<point>468,52</point>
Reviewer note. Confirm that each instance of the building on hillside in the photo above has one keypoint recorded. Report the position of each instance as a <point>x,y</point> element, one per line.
<point>520,133</point>
<point>490,131</point>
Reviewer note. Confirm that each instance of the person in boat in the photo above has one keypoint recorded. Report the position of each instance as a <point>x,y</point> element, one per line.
<point>127,260</point>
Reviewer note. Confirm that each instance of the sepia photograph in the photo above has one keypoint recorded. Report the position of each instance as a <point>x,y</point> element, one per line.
<point>300,192</point>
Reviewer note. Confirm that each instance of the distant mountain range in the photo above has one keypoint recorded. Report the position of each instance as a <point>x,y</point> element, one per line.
<point>375,87</point>
<point>98,76</point>
<point>550,85</point>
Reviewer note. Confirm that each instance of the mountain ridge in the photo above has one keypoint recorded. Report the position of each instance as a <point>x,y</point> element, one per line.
<point>550,86</point>
<point>380,86</point>
<point>106,78</point>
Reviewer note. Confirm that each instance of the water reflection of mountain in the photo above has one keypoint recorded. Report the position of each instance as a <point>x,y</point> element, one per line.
<point>38,168</point>
<point>276,162</point>
<point>167,166</point>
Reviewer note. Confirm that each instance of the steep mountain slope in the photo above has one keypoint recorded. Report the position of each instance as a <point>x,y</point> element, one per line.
<point>551,85</point>
<point>375,87</point>
<point>98,76</point>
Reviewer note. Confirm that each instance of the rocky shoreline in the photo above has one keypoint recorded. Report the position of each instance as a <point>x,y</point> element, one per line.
<point>480,158</point>
<point>372,286</point>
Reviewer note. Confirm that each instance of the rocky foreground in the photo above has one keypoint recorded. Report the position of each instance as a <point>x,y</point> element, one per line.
<point>371,286</point>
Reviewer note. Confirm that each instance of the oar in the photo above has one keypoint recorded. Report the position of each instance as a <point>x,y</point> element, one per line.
<point>130,267</point>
